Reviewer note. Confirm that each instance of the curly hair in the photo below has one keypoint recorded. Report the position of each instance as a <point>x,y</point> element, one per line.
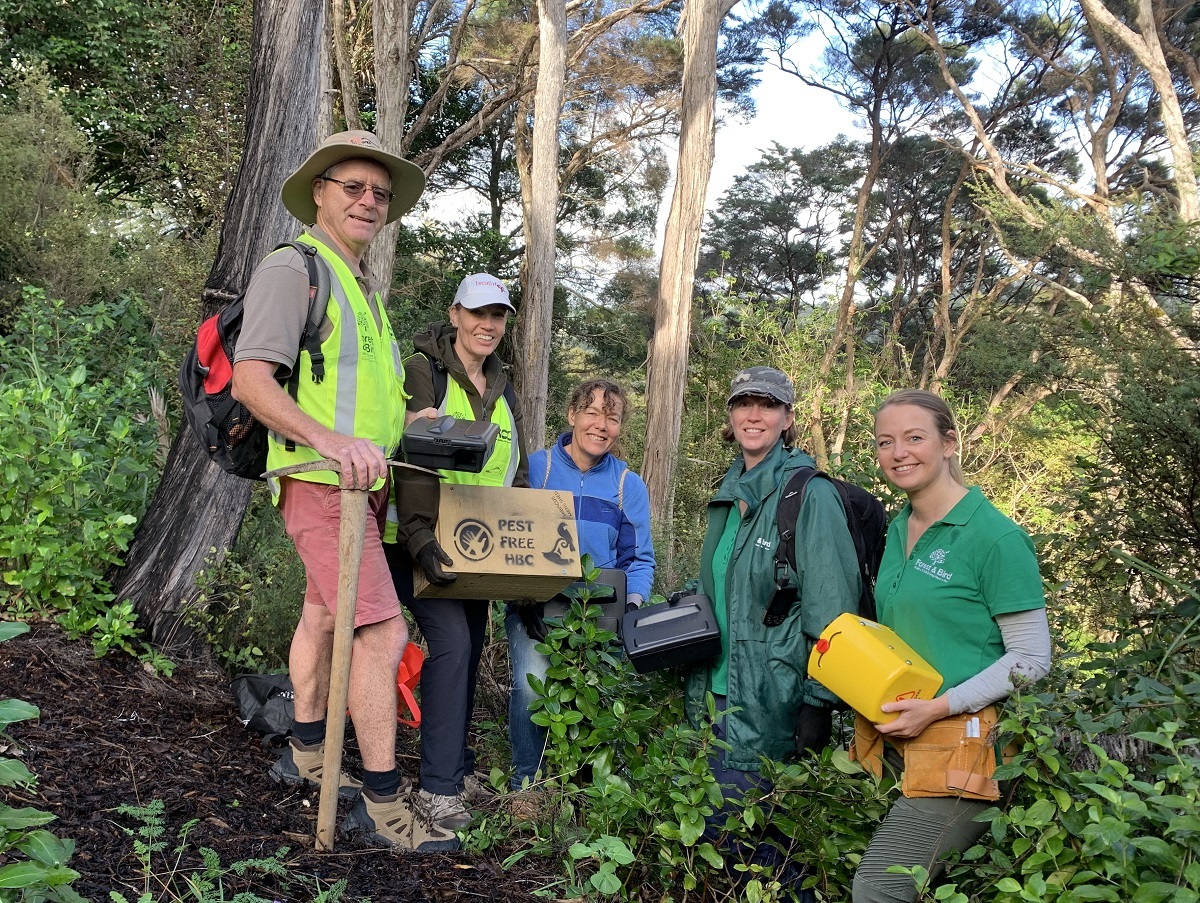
<point>614,397</point>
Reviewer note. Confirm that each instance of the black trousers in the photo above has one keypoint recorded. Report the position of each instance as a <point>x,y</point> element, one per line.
<point>454,631</point>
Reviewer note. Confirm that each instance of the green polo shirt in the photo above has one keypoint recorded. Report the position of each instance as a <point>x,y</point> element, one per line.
<point>943,599</point>
<point>720,570</point>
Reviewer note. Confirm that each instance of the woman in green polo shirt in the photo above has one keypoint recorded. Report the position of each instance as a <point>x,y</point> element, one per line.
<point>959,583</point>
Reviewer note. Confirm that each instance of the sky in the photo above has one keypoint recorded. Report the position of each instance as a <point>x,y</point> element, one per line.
<point>788,111</point>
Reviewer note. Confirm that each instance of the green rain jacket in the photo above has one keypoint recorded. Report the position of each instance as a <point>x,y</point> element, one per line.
<point>768,665</point>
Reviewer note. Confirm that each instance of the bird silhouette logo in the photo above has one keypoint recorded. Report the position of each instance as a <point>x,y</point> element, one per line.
<point>563,545</point>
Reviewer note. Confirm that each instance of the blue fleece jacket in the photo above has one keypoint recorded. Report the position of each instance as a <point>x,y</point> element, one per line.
<point>615,536</point>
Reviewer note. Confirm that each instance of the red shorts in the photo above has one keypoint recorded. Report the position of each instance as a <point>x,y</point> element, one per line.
<point>311,515</point>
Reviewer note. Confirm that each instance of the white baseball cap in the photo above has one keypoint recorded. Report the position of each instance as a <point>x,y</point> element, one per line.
<point>482,290</point>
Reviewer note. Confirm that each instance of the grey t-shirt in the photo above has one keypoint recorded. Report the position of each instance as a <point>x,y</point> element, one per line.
<point>276,305</point>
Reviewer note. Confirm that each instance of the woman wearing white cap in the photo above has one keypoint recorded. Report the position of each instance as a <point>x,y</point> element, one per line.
<point>457,372</point>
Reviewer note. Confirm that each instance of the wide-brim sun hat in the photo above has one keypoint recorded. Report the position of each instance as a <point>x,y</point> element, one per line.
<point>407,179</point>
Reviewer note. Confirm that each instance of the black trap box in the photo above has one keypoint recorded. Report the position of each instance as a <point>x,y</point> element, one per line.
<point>608,592</point>
<point>447,443</point>
<point>663,635</point>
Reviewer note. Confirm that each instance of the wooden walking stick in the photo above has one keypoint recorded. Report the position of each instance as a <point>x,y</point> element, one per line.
<point>351,532</point>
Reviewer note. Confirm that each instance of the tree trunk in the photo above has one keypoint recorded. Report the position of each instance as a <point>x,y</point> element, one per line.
<point>392,23</point>
<point>345,72</point>
<point>666,377</point>
<point>197,510</point>
<point>1147,48</point>
<point>326,117</point>
<point>531,333</point>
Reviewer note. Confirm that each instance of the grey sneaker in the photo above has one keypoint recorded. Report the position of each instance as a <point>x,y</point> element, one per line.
<point>396,821</point>
<point>476,793</point>
<point>446,812</point>
<point>301,764</point>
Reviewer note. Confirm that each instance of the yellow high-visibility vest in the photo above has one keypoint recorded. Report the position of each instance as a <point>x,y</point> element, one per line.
<point>500,469</point>
<point>362,394</point>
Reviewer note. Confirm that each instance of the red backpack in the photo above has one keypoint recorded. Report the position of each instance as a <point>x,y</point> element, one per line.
<point>228,432</point>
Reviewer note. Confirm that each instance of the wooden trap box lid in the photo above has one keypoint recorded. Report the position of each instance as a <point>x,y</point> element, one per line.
<point>506,543</point>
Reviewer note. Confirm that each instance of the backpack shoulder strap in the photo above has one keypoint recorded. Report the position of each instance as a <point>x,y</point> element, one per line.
<point>791,497</point>
<point>546,475</point>
<point>318,300</point>
<point>437,373</point>
<point>621,488</point>
<point>441,381</point>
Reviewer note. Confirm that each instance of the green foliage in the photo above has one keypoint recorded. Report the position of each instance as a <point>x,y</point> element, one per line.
<point>158,88</point>
<point>47,162</point>
<point>56,233</point>
<point>80,443</point>
<point>776,230</point>
<point>1166,257</point>
<point>169,874</point>
<point>36,860</point>
<point>630,789</point>
<point>1106,782</point>
<point>1135,486</point>
<point>610,334</point>
<point>1108,773</point>
<point>431,260</point>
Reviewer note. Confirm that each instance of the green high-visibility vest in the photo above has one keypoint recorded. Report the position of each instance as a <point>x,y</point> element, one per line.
<point>362,394</point>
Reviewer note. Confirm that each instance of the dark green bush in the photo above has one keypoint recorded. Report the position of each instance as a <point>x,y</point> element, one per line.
<point>80,442</point>
<point>251,601</point>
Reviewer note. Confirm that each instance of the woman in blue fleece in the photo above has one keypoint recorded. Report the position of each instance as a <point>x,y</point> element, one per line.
<point>612,513</point>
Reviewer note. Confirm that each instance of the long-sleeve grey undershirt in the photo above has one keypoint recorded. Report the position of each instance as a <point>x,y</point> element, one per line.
<point>1026,636</point>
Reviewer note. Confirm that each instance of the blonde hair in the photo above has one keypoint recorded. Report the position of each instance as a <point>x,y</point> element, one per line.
<point>943,419</point>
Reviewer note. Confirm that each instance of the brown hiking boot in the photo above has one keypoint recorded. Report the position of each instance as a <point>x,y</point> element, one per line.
<point>395,820</point>
<point>301,764</point>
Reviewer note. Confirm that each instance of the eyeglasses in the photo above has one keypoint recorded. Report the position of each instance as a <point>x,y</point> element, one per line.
<point>354,190</point>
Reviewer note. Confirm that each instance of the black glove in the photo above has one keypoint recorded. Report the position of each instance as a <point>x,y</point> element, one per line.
<point>675,597</point>
<point>430,559</point>
<point>534,621</point>
<point>814,728</point>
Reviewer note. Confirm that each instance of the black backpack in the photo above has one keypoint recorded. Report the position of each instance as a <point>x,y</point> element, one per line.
<point>266,704</point>
<point>228,432</point>
<point>867,521</point>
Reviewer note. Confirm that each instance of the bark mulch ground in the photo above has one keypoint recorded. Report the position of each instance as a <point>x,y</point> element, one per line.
<point>111,734</point>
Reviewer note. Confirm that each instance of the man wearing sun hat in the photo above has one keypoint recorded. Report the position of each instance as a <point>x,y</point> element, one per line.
<point>346,191</point>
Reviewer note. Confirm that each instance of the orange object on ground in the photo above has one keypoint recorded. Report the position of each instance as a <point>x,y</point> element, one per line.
<point>407,678</point>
